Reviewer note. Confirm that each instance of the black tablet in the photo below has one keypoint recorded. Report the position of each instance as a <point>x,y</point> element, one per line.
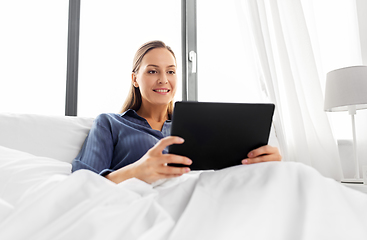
<point>219,135</point>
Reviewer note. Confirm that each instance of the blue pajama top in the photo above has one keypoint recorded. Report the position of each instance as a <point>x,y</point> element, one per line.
<point>117,140</point>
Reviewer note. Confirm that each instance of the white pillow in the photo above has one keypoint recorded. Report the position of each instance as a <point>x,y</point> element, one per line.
<point>57,137</point>
<point>21,172</point>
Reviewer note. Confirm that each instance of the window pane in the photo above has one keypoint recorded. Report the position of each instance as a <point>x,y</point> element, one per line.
<point>226,67</point>
<point>33,54</point>
<point>110,34</point>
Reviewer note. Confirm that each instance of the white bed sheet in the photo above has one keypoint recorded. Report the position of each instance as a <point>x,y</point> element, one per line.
<point>259,201</point>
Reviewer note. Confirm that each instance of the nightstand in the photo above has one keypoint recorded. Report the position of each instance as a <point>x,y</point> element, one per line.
<point>359,187</point>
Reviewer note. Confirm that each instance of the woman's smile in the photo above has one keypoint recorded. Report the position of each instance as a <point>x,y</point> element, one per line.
<point>163,91</point>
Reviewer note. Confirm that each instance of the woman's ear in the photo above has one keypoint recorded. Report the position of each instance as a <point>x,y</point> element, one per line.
<point>133,80</point>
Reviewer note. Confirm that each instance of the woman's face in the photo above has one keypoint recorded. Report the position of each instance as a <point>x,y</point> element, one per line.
<point>156,77</point>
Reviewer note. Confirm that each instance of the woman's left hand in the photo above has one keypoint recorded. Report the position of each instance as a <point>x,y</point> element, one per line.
<point>265,153</point>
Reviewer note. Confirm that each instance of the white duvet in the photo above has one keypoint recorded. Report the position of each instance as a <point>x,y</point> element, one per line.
<point>40,199</point>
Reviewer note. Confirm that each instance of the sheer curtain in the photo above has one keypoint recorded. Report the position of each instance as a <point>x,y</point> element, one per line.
<point>289,58</point>
<point>361,117</point>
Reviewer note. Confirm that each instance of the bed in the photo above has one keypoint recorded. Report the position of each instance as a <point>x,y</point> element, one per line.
<point>41,199</point>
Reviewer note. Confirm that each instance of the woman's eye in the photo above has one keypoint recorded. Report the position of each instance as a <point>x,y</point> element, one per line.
<point>152,71</point>
<point>171,72</point>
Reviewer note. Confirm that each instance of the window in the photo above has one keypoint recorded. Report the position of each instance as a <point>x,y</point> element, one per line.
<point>110,34</point>
<point>227,69</point>
<point>33,47</point>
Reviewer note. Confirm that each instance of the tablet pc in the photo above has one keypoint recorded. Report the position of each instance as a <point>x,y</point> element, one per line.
<point>219,135</point>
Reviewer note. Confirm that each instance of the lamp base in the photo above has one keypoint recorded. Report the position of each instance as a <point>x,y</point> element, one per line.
<point>352,180</point>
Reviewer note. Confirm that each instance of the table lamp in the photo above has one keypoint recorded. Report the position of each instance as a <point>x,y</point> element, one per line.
<point>346,89</point>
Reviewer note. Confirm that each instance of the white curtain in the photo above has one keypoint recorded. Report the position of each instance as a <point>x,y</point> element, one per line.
<point>361,117</point>
<point>290,72</point>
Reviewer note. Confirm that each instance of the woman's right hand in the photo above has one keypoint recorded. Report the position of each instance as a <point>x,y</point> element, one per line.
<point>153,165</point>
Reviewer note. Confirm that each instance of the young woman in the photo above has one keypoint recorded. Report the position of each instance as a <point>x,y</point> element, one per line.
<point>134,143</point>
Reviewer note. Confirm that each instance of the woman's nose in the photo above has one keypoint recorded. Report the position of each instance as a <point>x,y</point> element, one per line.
<point>163,79</point>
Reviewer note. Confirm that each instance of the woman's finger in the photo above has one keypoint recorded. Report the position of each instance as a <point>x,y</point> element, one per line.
<point>165,142</point>
<point>168,170</point>
<point>171,158</point>
<point>263,154</point>
<point>262,151</point>
<point>262,158</point>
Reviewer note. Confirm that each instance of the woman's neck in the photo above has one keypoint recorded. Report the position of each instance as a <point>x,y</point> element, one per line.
<point>155,113</point>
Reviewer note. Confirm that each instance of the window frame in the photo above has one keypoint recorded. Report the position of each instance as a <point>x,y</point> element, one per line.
<point>189,54</point>
<point>71,98</point>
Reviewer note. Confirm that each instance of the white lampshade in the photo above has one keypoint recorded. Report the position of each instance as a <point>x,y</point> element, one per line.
<point>346,87</point>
